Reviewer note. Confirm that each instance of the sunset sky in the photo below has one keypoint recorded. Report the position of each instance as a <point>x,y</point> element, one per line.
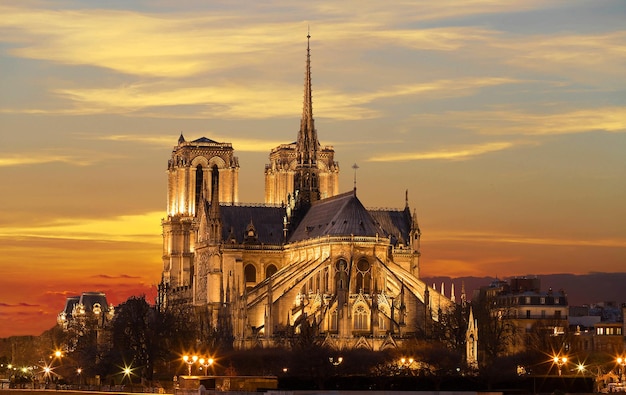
<point>505,120</point>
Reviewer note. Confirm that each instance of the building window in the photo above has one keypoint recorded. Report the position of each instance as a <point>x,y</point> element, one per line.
<point>600,331</point>
<point>382,320</point>
<point>198,191</point>
<point>341,275</point>
<point>270,271</point>
<point>250,273</point>
<point>543,314</point>
<point>557,314</point>
<point>542,300</point>
<point>333,320</point>
<point>527,299</point>
<point>527,313</point>
<point>360,319</point>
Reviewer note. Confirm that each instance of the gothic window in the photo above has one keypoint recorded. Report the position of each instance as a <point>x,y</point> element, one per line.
<point>359,282</point>
<point>199,183</point>
<point>360,319</point>
<point>215,181</point>
<point>325,280</point>
<point>250,273</point>
<point>363,276</point>
<point>383,320</point>
<point>334,318</point>
<point>270,270</point>
<point>367,280</point>
<point>341,275</point>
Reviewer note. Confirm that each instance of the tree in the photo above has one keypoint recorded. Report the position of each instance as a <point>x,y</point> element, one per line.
<point>133,331</point>
<point>451,328</point>
<point>496,331</point>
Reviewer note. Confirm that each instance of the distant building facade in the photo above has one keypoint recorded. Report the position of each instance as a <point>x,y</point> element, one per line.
<point>532,312</point>
<point>309,258</point>
<point>87,313</point>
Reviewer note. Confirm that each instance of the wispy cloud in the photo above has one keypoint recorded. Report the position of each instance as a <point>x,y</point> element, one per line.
<point>30,159</point>
<point>258,100</point>
<point>454,153</point>
<point>499,237</point>
<point>239,143</point>
<point>121,276</point>
<point>141,227</point>
<point>515,122</point>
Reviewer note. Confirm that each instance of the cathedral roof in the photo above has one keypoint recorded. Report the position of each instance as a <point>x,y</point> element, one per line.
<point>340,215</point>
<point>396,223</point>
<point>89,299</point>
<point>204,140</point>
<point>267,223</point>
<point>70,302</point>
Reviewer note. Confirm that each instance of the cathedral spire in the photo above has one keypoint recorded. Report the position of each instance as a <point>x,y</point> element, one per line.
<point>307,143</point>
<point>306,181</point>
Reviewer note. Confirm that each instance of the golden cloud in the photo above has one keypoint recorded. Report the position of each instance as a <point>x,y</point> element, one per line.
<point>512,122</point>
<point>138,228</point>
<point>458,153</point>
<point>499,237</point>
<point>28,160</point>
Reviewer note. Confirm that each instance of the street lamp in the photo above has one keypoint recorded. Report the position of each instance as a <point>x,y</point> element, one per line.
<point>206,363</point>
<point>335,362</point>
<point>405,364</point>
<point>78,372</point>
<point>190,361</point>
<point>128,373</point>
<point>560,362</point>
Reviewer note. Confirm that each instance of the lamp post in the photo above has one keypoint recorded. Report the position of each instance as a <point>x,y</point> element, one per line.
<point>622,363</point>
<point>190,361</point>
<point>78,372</point>
<point>405,364</point>
<point>128,372</point>
<point>206,362</point>
<point>560,362</point>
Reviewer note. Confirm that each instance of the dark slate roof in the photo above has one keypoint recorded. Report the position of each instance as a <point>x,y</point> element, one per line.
<point>70,302</point>
<point>267,221</point>
<point>396,223</point>
<point>204,140</point>
<point>340,215</point>
<point>89,299</point>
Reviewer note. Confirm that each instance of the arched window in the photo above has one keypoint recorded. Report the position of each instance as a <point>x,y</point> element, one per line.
<point>215,182</point>
<point>199,183</point>
<point>383,319</point>
<point>367,281</point>
<point>361,322</point>
<point>334,319</point>
<point>341,275</point>
<point>270,270</point>
<point>363,276</point>
<point>359,282</point>
<point>250,274</point>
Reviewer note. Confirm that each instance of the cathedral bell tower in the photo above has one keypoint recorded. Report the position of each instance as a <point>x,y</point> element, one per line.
<point>194,171</point>
<point>302,171</point>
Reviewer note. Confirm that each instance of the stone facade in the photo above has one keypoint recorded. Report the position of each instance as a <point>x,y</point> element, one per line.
<point>308,259</point>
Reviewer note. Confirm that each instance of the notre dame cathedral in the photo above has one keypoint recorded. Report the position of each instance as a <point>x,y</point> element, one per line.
<point>308,255</point>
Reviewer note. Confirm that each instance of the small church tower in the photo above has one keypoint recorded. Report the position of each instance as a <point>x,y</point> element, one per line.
<point>471,341</point>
